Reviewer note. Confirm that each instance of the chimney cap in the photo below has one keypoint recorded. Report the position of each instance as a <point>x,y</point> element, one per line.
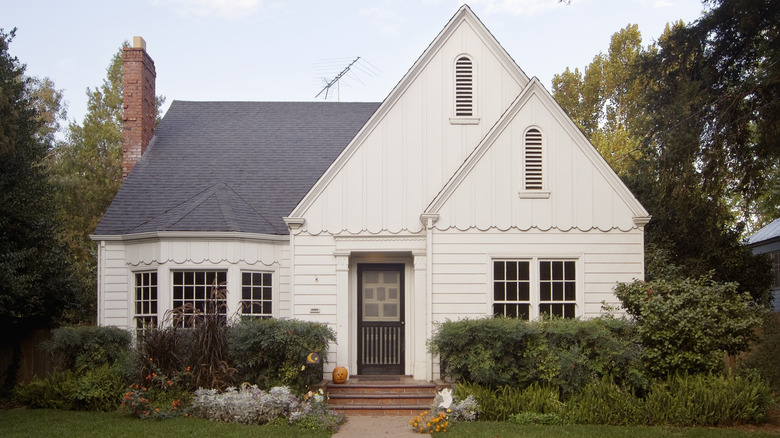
<point>139,43</point>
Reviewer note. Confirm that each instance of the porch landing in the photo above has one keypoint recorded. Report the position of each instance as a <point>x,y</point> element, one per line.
<point>382,395</point>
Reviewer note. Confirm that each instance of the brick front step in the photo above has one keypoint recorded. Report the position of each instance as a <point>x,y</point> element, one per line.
<point>403,396</point>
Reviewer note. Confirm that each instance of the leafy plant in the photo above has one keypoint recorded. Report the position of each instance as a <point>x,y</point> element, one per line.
<point>86,347</point>
<point>313,413</point>
<point>688,325</point>
<point>97,389</point>
<point>530,417</point>
<point>564,354</point>
<point>605,402</point>
<point>270,352</point>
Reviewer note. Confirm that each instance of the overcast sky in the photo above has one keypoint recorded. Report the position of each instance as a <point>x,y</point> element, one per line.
<point>283,50</point>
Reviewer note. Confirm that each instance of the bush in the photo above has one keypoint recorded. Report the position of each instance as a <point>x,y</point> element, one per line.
<point>764,357</point>
<point>529,418</point>
<point>565,354</point>
<point>687,326</point>
<point>97,389</point>
<point>85,347</point>
<point>272,352</point>
<point>708,401</point>
<point>501,403</point>
<point>604,402</point>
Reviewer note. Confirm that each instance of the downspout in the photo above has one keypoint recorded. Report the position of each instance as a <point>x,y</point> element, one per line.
<point>100,280</point>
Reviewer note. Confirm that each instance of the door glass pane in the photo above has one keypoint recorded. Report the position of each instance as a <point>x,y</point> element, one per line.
<point>382,299</point>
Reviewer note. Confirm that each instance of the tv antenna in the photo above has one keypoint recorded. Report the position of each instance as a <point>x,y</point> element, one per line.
<point>342,76</point>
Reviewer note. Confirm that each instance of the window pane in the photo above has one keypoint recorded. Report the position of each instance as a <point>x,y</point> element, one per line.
<point>570,295</point>
<point>511,271</point>
<point>557,270</point>
<point>524,271</point>
<point>524,292</point>
<point>557,291</point>
<point>498,291</point>
<point>246,278</point>
<point>511,291</point>
<point>569,270</point>
<point>544,271</point>
<point>545,293</point>
<point>498,270</point>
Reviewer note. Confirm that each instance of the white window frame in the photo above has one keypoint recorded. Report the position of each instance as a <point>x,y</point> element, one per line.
<point>243,306</point>
<point>535,288</point>
<point>184,300</point>
<point>153,317</point>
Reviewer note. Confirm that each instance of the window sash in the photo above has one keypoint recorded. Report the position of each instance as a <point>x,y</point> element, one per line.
<point>257,294</point>
<point>145,300</point>
<point>527,288</point>
<point>194,293</point>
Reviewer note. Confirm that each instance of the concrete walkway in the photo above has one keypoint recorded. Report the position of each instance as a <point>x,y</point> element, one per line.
<point>388,426</point>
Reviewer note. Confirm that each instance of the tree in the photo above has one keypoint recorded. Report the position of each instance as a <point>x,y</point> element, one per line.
<point>36,280</point>
<point>87,168</point>
<point>700,109</point>
<point>602,101</point>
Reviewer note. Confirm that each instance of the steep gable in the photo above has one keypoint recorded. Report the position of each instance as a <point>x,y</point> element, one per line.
<point>578,189</point>
<point>415,141</point>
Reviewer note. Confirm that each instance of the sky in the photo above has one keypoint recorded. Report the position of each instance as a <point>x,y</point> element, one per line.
<point>285,50</point>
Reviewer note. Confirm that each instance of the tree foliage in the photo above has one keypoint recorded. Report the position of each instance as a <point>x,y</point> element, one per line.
<point>87,169</point>
<point>36,280</point>
<point>696,115</point>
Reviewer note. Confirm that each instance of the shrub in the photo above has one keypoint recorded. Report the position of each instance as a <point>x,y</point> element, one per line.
<point>501,403</point>
<point>164,350</point>
<point>708,400</point>
<point>528,418</point>
<point>764,357</point>
<point>605,402</point>
<point>246,405</point>
<point>272,352</point>
<point>97,389</point>
<point>565,354</point>
<point>688,325</point>
<point>313,414</point>
<point>84,347</point>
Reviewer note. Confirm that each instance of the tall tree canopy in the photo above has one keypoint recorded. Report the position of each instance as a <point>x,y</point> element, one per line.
<point>701,107</point>
<point>36,280</point>
<point>87,169</point>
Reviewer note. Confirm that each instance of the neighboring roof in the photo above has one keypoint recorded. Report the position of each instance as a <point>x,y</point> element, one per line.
<point>231,166</point>
<point>769,232</point>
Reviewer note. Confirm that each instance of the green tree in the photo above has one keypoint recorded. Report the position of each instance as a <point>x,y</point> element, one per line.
<point>602,100</point>
<point>697,116</point>
<point>36,280</point>
<point>87,168</point>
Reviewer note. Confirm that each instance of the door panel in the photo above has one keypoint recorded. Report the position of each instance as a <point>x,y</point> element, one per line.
<point>380,319</point>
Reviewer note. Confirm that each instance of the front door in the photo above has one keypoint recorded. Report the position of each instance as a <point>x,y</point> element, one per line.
<point>380,318</point>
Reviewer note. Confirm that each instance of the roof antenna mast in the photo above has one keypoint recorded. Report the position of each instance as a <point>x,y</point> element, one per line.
<point>336,81</point>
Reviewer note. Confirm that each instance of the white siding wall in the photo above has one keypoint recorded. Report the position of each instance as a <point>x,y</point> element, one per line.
<point>412,152</point>
<point>462,265</point>
<point>580,195</point>
<point>121,259</point>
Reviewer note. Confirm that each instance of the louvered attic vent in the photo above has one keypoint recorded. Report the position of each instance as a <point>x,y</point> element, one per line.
<point>464,94</point>
<point>533,159</point>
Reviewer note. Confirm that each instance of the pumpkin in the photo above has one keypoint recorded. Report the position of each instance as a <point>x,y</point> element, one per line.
<point>340,375</point>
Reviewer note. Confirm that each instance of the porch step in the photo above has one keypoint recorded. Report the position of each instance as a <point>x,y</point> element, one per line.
<point>375,396</point>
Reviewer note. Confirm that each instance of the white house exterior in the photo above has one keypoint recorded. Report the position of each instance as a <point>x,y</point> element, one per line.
<point>466,193</point>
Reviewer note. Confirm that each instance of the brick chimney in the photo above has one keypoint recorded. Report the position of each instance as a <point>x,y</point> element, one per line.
<point>140,111</point>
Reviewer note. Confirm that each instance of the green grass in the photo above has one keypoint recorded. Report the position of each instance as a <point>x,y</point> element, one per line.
<point>492,429</point>
<point>47,423</point>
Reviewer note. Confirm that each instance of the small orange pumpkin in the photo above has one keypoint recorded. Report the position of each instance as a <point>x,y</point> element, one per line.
<point>340,375</point>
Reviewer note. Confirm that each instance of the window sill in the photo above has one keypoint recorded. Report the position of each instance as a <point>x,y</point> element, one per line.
<point>533,194</point>
<point>462,120</point>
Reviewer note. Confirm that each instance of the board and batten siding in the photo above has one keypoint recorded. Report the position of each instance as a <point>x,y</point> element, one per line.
<point>462,265</point>
<point>120,259</point>
<point>411,148</point>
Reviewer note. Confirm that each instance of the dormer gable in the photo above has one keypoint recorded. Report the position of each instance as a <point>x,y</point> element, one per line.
<point>535,169</point>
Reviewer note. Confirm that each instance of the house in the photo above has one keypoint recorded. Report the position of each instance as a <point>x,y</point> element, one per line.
<point>467,192</point>
<point>767,241</point>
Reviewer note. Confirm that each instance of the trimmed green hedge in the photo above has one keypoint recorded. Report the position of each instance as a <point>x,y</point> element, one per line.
<point>565,354</point>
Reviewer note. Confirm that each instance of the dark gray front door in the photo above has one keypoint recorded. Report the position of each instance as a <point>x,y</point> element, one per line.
<point>380,318</point>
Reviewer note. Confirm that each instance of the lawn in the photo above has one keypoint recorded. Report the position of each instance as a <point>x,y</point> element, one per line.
<point>491,429</point>
<point>46,423</point>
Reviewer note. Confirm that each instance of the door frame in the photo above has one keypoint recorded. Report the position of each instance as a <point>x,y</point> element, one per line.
<point>400,268</point>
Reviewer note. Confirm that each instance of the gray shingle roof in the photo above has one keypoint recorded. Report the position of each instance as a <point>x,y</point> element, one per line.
<point>231,166</point>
